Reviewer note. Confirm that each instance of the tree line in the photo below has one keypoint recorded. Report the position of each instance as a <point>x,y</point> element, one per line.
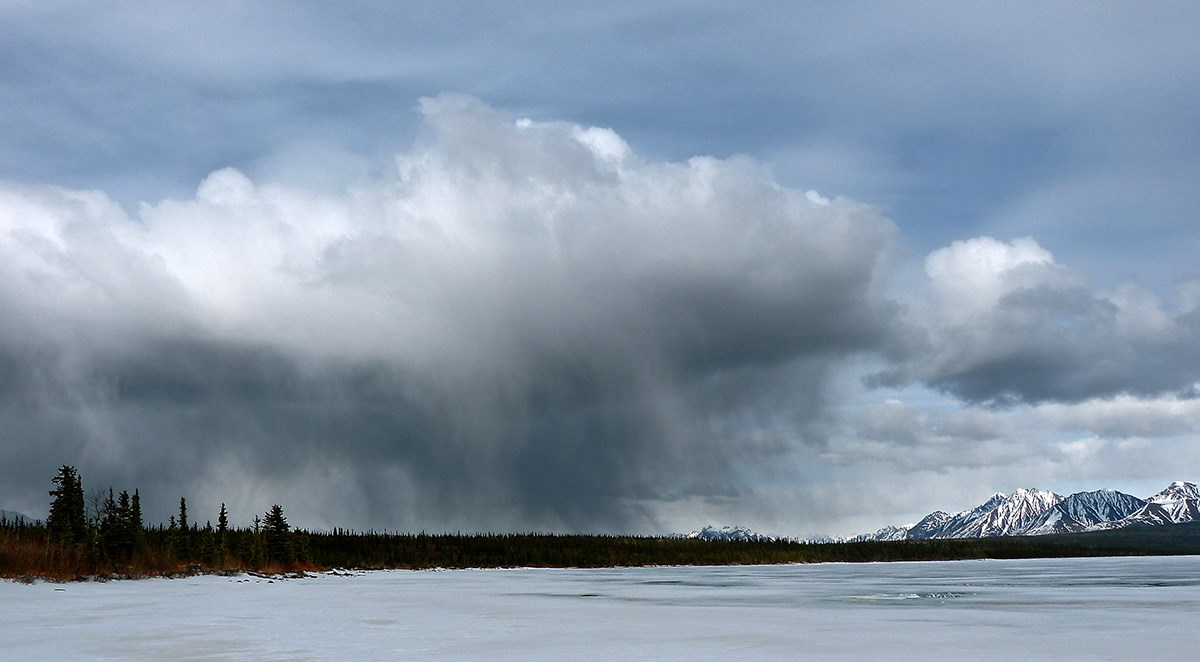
<point>104,536</point>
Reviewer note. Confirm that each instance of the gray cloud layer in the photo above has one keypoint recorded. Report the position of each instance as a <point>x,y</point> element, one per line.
<point>525,325</point>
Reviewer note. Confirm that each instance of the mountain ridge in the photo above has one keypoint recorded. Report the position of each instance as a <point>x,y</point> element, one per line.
<point>1029,511</point>
<point>729,534</point>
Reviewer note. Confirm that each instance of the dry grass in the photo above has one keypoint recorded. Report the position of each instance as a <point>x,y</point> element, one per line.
<point>26,554</point>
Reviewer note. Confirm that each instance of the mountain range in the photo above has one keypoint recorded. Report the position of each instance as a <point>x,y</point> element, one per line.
<point>729,534</point>
<point>1025,512</point>
<point>1033,512</point>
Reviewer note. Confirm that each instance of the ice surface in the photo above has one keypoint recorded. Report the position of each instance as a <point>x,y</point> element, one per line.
<point>1125,608</point>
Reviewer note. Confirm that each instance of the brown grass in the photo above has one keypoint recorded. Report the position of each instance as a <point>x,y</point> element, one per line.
<point>26,554</point>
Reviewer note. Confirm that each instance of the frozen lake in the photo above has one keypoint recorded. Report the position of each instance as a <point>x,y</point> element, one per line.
<point>1127,608</point>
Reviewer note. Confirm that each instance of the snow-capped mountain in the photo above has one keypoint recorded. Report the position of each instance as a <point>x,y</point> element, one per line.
<point>1177,491</point>
<point>815,539</point>
<point>1001,515</point>
<point>1084,511</point>
<point>929,525</point>
<point>1038,512</point>
<point>13,517</point>
<point>884,534</point>
<point>961,524</point>
<point>891,533</point>
<point>1180,502</point>
<point>1016,514</point>
<point>729,534</point>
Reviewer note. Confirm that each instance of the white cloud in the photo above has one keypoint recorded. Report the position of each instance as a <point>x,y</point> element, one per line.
<point>604,143</point>
<point>816,198</point>
<point>1012,326</point>
<point>971,276</point>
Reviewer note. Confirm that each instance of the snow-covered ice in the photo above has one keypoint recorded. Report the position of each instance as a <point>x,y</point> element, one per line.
<point>1117,608</point>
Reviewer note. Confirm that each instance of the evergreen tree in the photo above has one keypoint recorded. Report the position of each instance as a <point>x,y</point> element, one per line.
<point>124,509</point>
<point>183,548</point>
<point>108,524</point>
<point>210,547</point>
<point>252,548</point>
<point>183,520</point>
<point>67,522</point>
<point>222,532</point>
<point>127,538</point>
<point>135,519</point>
<point>279,542</point>
<point>172,537</point>
<point>243,548</point>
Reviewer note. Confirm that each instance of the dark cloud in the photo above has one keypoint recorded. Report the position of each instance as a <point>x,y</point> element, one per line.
<point>526,325</point>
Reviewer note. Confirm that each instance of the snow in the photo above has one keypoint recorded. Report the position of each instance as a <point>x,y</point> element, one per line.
<point>1000,515</point>
<point>1121,608</point>
<point>1180,502</point>
<point>1038,512</point>
<point>729,534</point>
<point>1015,514</point>
<point>1177,491</point>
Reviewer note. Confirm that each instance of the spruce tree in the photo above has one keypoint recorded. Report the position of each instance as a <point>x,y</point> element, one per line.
<point>67,521</point>
<point>183,547</point>
<point>183,520</point>
<point>108,523</point>
<point>125,538</point>
<point>222,532</point>
<point>210,547</point>
<point>279,542</point>
<point>135,518</point>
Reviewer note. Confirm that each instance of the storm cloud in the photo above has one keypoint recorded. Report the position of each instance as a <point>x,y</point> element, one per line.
<point>519,325</point>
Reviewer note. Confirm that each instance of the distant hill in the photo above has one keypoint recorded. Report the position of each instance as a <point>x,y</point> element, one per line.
<point>11,516</point>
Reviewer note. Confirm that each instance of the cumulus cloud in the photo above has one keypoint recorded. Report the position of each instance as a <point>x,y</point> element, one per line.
<point>1009,325</point>
<point>522,325</point>
<point>970,277</point>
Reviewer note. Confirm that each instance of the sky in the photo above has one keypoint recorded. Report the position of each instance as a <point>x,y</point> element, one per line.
<point>598,267</point>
